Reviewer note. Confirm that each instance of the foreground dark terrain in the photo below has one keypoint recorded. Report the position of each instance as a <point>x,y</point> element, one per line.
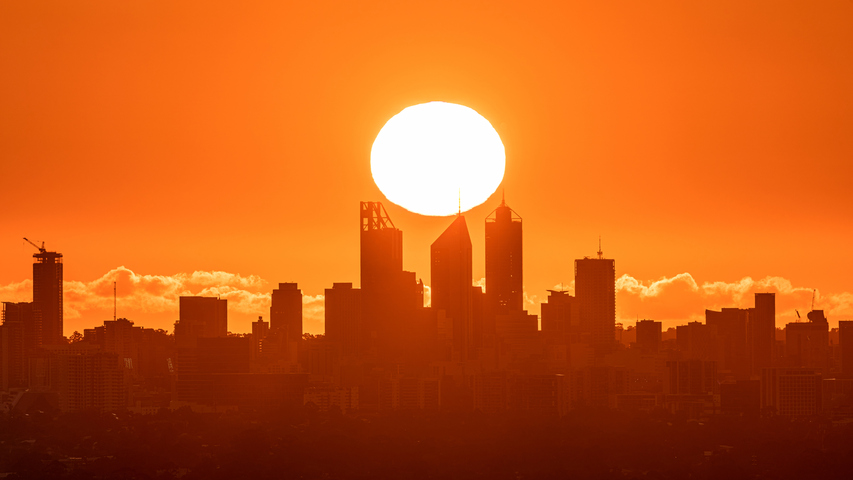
<point>307,444</point>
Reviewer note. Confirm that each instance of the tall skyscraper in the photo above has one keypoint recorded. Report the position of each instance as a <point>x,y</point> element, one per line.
<point>504,273</point>
<point>343,317</point>
<point>845,341</point>
<point>20,336</point>
<point>47,295</point>
<point>595,289</point>
<point>732,326</point>
<point>450,274</point>
<point>763,331</point>
<point>286,311</point>
<point>389,295</point>
<point>381,247</point>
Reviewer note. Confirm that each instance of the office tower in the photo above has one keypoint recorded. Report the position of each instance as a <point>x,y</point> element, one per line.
<point>202,317</point>
<point>20,336</point>
<point>845,340</point>
<point>286,311</point>
<point>807,343</point>
<point>697,341</point>
<point>791,391</point>
<point>763,331</point>
<point>649,335</point>
<point>559,314</point>
<point>47,295</point>
<point>450,274</point>
<point>87,378</point>
<point>595,289</point>
<point>732,326</point>
<point>381,247</point>
<point>389,295</point>
<point>260,330</point>
<point>343,317</point>
<point>504,280</point>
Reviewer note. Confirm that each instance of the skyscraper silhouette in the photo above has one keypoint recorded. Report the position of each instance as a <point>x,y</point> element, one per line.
<point>389,295</point>
<point>47,295</point>
<point>504,272</point>
<point>286,311</point>
<point>450,276</point>
<point>763,331</point>
<point>343,317</point>
<point>595,290</point>
<point>200,317</point>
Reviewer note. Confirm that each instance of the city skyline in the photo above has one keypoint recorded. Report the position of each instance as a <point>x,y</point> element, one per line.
<point>716,147</point>
<point>446,239</point>
<point>252,296</point>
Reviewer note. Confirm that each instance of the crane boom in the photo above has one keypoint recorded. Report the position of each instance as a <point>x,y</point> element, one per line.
<point>41,248</point>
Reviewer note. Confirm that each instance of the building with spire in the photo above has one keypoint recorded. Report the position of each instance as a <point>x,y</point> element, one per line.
<point>450,281</point>
<point>504,261</point>
<point>595,290</point>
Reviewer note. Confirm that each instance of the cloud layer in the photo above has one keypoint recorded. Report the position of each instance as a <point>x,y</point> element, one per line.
<point>677,299</point>
<point>152,300</point>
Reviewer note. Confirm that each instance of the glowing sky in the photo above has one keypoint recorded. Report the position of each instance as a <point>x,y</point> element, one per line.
<point>707,138</point>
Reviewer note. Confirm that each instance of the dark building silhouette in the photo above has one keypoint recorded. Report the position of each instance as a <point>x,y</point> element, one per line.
<point>450,276</point>
<point>595,289</point>
<point>47,295</point>
<point>697,341</point>
<point>343,318</point>
<point>389,295</point>
<point>286,311</point>
<point>559,315</point>
<point>649,335</point>
<point>845,340</point>
<point>791,391</point>
<point>20,336</point>
<point>260,330</point>
<point>88,378</point>
<point>807,343</point>
<point>732,331</point>
<point>504,272</point>
<point>201,317</point>
<point>763,331</point>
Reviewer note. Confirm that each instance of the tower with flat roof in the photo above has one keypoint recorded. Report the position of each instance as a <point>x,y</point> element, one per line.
<point>286,311</point>
<point>595,290</point>
<point>47,295</point>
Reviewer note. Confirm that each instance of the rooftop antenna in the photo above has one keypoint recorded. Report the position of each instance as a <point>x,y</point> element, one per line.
<point>600,253</point>
<point>114,300</point>
<point>503,197</point>
<point>814,292</point>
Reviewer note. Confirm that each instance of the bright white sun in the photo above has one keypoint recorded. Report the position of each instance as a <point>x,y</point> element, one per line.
<point>429,156</point>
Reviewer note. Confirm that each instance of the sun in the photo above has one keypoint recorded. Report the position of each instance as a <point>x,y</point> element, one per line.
<point>432,156</point>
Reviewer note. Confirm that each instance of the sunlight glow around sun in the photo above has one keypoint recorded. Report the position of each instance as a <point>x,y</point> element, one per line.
<point>428,154</point>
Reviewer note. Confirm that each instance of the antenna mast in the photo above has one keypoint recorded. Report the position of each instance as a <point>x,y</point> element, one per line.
<point>600,253</point>
<point>114,301</point>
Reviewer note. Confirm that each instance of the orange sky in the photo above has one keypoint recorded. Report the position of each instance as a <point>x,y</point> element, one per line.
<point>712,138</point>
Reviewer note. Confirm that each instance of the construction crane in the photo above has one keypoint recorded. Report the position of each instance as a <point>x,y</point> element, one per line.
<point>41,248</point>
